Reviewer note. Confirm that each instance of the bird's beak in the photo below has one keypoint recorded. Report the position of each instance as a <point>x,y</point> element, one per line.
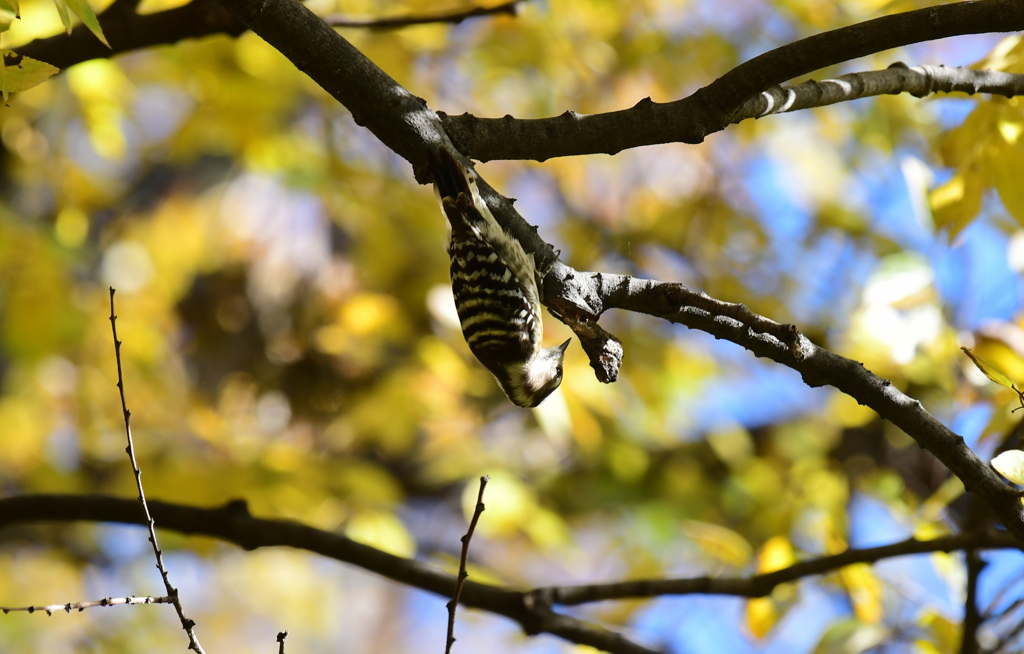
<point>561,348</point>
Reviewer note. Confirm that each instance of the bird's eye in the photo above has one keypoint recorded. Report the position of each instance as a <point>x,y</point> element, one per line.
<point>559,371</point>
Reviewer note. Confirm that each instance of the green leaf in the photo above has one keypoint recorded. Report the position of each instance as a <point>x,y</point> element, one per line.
<point>88,16</point>
<point>1010,464</point>
<point>21,73</point>
<point>990,370</point>
<point>65,16</point>
<point>8,12</point>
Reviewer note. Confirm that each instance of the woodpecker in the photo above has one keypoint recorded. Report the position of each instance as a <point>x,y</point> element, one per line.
<point>496,288</point>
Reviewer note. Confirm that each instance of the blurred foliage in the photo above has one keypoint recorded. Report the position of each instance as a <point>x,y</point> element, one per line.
<point>289,334</point>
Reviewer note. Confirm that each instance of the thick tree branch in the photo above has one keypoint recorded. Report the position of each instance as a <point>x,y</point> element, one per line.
<point>712,108</point>
<point>233,523</point>
<point>127,30</point>
<point>763,584</point>
<point>583,297</point>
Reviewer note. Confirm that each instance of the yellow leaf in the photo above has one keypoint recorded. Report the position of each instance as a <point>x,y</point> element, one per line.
<point>957,202</point>
<point>992,372</point>
<point>962,145</point>
<point>1005,164</point>
<point>369,313</point>
<point>88,17</point>
<point>775,554</point>
<point>1010,130</point>
<point>945,633</point>
<point>720,542</point>
<point>510,504</point>
<point>383,530</point>
<point>1010,464</point>
<point>21,73</point>
<point>761,616</point>
<point>864,590</point>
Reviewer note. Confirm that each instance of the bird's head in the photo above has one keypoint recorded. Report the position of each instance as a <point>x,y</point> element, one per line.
<point>539,377</point>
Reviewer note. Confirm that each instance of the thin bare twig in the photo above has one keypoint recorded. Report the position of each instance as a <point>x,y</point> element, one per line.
<point>972,616</point>
<point>462,565</point>
<point>280,639</point>
<point>398,22</point>
<point>172,592</point>
<point>990,613</point>
<point>50,609</point>
<point>1007,638</point>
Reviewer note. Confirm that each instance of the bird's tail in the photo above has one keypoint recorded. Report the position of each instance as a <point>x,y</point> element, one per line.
<point>450,177</point>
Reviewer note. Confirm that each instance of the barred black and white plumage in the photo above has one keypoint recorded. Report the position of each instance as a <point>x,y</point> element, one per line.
<point>496,290</point>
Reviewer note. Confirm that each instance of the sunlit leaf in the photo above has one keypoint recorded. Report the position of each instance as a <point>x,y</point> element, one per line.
<point>990,370</point>
<point>510,504</point>
<point>955,204</point>
<point>865,591</point>
<point>8,13</point>
<point>383,530</point>
<point>849,636</point>
<point>22,73</point>
<point>946,634</point>
<point>65,15</point>
<point>775,554</point>
<point>1006,163</point>
<point>88,18</point>
<point>761,616</point>
<point>720,542</point>
<point>1010,464</point>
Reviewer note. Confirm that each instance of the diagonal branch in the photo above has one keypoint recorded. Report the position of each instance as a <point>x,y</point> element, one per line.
<point>712,108</point>
<point>585,296</point>
<point>233,523</point>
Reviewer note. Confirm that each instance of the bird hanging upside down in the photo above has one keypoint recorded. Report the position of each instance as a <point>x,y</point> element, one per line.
<point>496,288</point>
